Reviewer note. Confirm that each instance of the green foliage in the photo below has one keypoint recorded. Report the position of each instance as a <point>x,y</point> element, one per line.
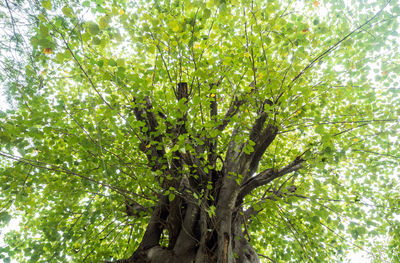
<point>71,145</point>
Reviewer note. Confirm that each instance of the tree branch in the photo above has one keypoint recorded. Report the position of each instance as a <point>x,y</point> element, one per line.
<point>233,109</point>
<point>265,177</point>
<point>262,139</point>
<point>143,112</point>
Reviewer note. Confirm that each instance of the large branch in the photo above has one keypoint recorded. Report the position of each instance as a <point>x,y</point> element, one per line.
<point>246,164</point>
<point>154,229</point>
<point>233,109</point>
<point>213,144</point>
<point>267,176</point>
<point>262,139</point>
<point>143,112</point>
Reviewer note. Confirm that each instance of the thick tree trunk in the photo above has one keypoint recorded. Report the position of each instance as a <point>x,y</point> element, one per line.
<point>204,224</point>
<point>201,238</point>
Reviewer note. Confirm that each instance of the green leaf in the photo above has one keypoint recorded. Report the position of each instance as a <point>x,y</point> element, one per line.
<point>42,18</point>
<point>96,41</point>
<point>67,11</point>
<point>86,3</point>
<point>354,234</point>
<point>47,4</point>
<point>206,13</point>
<point>171,197</point>
<point>174,25</point>
<point>94,29</point>
<point>5,218</point>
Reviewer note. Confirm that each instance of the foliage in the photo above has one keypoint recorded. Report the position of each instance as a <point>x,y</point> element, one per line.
<point>76,152</point>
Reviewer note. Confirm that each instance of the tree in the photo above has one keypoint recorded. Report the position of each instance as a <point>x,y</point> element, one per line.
<point>202,131</point>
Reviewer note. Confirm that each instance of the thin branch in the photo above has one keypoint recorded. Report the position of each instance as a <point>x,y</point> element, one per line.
<point>379,154</point>
<point>330,49</point>
<point>12,21</point>
<point>270,259</point>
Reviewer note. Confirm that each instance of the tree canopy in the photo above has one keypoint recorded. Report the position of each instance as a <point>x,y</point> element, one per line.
<point>217,131</point>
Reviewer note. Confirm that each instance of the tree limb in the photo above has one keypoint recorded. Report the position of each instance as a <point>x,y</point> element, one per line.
<point>143,112</point>
<point>267,176</point>
<point>233,109</point>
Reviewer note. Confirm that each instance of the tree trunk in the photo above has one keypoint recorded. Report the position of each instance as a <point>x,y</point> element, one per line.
<point>199,237</point>
<point>205,221</point>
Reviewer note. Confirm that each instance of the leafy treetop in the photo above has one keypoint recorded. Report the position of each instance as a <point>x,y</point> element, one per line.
<point>115,92</point>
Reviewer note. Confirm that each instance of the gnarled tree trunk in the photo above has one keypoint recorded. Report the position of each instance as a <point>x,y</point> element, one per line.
<point>205,221</point>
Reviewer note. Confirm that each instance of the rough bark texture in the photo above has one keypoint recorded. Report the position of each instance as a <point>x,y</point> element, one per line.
<point>194,233</point>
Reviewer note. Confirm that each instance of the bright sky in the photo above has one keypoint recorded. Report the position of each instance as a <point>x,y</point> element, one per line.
<point>3,103</point>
